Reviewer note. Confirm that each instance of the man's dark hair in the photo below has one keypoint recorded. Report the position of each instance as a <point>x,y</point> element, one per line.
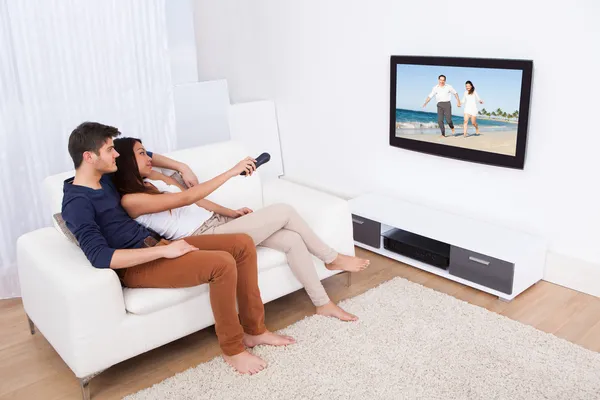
<point>89,136</point>
<point>442,76</point>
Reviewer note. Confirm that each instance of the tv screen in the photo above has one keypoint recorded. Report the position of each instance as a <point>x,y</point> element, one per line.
<point>471,109</point>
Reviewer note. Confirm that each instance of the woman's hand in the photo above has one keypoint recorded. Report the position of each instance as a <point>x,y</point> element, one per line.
<point>241,212</point>
<point>188,175</point>
<point>248,165</point>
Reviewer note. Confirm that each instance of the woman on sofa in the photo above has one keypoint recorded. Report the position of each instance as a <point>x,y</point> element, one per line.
<point>159,203</point>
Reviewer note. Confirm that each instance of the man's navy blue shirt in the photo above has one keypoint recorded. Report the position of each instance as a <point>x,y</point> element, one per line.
<point>99,222</point>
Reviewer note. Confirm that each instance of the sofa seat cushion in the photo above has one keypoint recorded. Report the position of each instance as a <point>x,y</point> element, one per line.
<point>148,300</point>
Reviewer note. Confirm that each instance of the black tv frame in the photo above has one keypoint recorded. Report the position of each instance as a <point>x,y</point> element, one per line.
<point>478,156</point>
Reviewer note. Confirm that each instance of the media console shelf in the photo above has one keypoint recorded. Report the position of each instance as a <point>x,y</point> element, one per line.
<point>494,259</point>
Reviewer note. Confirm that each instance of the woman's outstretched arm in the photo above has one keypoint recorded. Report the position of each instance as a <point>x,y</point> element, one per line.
<point>137,204</point>
<point>204,203</point>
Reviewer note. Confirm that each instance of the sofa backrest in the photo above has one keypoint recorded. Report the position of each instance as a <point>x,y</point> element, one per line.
<point>53,187</point>
<point>207,162</point>
<point>211,160</point>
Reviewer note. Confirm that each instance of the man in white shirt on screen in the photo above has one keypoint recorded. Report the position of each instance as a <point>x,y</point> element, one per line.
<point>443,94</point>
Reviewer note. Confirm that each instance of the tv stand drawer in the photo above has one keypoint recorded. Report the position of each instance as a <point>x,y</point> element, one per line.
<point>366,231</point>
<point>484,270</point>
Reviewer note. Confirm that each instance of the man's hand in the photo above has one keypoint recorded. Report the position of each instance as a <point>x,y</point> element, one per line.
<point>241,212</point>
<point>188,175</point>
<point>177,249</point>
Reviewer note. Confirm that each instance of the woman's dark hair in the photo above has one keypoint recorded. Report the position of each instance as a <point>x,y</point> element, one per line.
<point>466,83</point>
<point>127,179</point>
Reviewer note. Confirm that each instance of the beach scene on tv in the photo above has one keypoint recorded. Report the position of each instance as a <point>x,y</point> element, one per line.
<point>475,108</point>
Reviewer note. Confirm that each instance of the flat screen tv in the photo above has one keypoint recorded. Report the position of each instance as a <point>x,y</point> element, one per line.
<point>472,109</point>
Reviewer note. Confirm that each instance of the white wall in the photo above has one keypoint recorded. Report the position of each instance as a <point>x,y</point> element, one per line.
<point>326,65</point>
<point>179,15</point>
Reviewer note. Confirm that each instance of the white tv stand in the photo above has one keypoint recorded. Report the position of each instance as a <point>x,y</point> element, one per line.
<point>494,259</point>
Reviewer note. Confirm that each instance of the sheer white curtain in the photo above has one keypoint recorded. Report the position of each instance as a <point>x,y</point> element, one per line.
<point>63,62</point>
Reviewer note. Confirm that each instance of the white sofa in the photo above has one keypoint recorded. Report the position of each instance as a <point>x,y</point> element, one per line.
<point>94,323</point>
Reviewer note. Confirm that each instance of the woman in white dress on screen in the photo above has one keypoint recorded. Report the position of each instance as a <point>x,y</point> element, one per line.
<point>470,100</point>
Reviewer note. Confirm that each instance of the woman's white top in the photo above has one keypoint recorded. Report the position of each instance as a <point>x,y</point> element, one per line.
<point>177,223</point>
<point>470,102</point>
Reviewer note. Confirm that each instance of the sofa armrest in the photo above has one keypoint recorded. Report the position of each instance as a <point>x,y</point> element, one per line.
<point>328,215</point>
<point>67,298</point>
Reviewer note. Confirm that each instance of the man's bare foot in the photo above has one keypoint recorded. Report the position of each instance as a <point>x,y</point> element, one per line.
<point>333,310</point>
<point>246,363</point>
<point>269,338</point>
<point>347,263</point>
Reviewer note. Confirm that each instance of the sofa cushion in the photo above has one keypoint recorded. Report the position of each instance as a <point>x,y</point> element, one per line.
<point>269,258</point>
<point>148,300</point>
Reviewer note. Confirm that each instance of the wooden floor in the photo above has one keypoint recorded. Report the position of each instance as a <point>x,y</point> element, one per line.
<point>31,369</point>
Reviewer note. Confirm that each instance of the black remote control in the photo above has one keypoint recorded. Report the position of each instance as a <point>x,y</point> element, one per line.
<point>260,160</point>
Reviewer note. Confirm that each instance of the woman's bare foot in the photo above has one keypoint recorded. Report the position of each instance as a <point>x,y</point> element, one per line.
<point>246,363</point>
<point>348,263</point>
<point>333,310</point>
<point>269,338</point>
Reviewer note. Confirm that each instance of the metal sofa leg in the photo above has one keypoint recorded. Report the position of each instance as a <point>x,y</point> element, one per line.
<point>31,325</point>
<point>84,383</point>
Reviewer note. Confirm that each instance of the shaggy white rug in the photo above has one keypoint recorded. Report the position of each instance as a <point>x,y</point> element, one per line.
<point>410,343</point>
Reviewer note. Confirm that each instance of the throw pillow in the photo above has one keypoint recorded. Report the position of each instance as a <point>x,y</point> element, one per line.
<point>172,174</point>
<point>62,227</point>
<point>177,176</point>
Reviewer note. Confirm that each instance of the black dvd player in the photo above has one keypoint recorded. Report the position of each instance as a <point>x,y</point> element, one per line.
<point>418,247</point>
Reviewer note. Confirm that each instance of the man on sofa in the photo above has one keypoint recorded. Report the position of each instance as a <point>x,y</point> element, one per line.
<point>111,239</point>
